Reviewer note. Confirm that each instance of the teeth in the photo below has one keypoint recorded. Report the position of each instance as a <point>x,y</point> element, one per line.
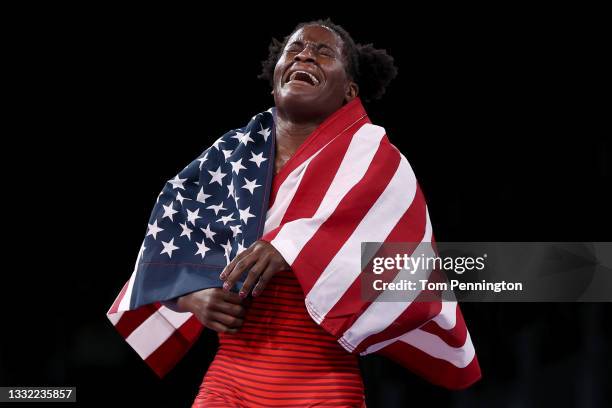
<point>312,77</point>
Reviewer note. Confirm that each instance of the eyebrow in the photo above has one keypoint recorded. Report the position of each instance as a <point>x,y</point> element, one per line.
<point>319,45</point>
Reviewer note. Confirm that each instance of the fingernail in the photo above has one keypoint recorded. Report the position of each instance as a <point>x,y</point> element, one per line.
<point>242,294</point>
<point>222,276</point>
<point>255,293</point>
<point>226,286</point>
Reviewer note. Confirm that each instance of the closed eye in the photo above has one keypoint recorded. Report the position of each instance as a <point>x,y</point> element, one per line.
<point>321,49</point>
<point>328,52</point>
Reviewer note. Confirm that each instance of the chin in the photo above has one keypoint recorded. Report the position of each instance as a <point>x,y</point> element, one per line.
<point>301,103</point>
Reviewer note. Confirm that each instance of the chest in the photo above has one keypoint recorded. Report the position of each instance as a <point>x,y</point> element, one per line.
<point>282,156</point>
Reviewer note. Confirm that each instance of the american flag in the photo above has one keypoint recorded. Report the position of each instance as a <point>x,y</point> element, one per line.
<point>204,217</point>
<point>345,185</point>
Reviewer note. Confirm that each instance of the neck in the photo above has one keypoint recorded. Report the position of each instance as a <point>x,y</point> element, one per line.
<point>291,133</point>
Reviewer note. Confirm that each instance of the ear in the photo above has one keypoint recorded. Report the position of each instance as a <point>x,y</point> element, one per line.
<point>351,91</point>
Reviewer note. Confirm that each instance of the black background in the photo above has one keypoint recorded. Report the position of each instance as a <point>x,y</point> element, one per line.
<point>502,114</point>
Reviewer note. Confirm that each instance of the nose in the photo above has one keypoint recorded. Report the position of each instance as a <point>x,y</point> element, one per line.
<point>306,55</point>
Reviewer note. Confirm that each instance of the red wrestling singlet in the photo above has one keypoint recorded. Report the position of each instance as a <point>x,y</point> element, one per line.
<point>281,358</point>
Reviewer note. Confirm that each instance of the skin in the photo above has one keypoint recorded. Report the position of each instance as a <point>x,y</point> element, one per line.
<point>301,107</point>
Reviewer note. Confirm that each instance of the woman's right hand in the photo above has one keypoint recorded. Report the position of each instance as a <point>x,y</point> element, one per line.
<point>217,309</point>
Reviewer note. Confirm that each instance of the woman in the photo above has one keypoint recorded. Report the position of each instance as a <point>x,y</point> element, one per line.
<point>291,335</point>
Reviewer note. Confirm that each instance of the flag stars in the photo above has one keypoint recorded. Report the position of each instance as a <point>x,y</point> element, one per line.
<point>202,248</point>
<point>201,198</point>
<point>227,153</point>
<point>210,234</point>
<point>245,214</point>
<point>237,166</point>
<point>231,190</point>
<point>192,216</point>
<point>257,158</point>
<point>239,135</point>
<point>216,208</point>
<point>217,176</point>
<point>226,218</point>
<point>169,211</point>
<point>227,247</point>
<point>203,159</point>
<point>169,247</point>
<point>236,229</point>
<point>217,142</point>
<point>180,198</point>
<point>246,138</point>
<point>177,183</point>
<point>264,132</point>
<point>154,230</point>
<point>186,231</point>
<point>250,185</point>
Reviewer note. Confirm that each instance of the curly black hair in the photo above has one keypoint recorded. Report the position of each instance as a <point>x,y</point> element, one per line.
<point>371,68</point>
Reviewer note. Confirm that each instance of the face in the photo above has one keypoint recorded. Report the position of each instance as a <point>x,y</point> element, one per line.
<point>310,78</point>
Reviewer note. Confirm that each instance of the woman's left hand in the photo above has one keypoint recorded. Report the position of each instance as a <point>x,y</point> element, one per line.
<point>262,260</point>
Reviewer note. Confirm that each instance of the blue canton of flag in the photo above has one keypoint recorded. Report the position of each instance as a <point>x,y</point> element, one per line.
<point>211,211</point>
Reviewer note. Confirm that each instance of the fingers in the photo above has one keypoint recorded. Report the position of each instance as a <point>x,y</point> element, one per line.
<point>254,275</point>
<point>265,277</point>
<point>230,322</point>
<point>229,309</point>
<point>220,327</point>
<point>261,260</point>
<point>234,261</point>
<point>233,275</point>
<point>230,297</point>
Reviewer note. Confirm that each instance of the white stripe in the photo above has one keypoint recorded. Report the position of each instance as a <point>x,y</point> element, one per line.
<point>295,234</point>
<point>345,267</point>
<point>447,319</point>
<point>434,346</point>
<point>176,319</point>
<point>284,196</point>
<point>124,305</point>
<point>386,308</point>
<point>127,296</point>
<point>443,316</point>
<point>114,317</point>
<point>154,331</point>
<point>287,191</point>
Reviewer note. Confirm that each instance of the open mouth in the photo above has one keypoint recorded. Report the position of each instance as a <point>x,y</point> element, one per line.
<point>303,76</point>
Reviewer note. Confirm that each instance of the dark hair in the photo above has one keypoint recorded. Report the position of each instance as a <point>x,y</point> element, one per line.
<point>372,69</point>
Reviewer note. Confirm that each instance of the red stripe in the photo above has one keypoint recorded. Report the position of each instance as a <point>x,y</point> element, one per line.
<point>422,309</point>
<point>288,361</point>
<point>234,362</point>
<point>287,366</point>
<point>334,232</point>
<point>435,370</point>
<point>314,183</point>
<point>131,319</point>
<point>454,337</point>
<point>348,369</point>
<point>165,357</point>
<point>410,228</point>
<point>115,307</point>
<point>317,179</point>
<point>349,114</point>
<point>229,371</point>
<point>263,399</point>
